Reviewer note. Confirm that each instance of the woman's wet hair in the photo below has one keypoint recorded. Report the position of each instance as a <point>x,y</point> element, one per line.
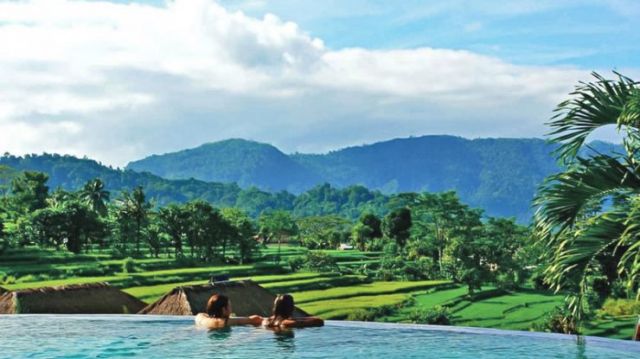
<point>283,307</point>
<point>216,305</point>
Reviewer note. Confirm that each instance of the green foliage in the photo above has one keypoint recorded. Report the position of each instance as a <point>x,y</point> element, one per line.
<point>320,262</point>
<point>438,315</point>
<point>323,232</point>
<point>583,239</point>
<point>559,321</point>
<point>367,229</point>
<point>242,234</point>
<point>371,314</point>
<point>277,225</point>
<point>129,265</point>
<point>29,191</point>
<point>620,307</point>
<point>296,263</point>
<point>396,225</point>
<point>247,163</point>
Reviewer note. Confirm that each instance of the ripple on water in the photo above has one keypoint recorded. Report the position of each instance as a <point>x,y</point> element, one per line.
<point>158,337</point>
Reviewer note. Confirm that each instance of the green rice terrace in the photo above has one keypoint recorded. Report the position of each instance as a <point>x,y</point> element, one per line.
<point>330,295</point>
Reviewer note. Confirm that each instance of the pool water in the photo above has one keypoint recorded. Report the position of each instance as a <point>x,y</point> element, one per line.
<point>117,336</point>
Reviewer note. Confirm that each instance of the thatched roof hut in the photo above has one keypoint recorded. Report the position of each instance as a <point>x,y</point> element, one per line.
<point>246,296</point>
<point>95,298</point>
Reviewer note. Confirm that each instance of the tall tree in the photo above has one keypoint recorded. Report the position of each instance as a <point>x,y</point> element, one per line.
<point>30,191</point>
<point>173,220</point>
<point>277,225</point>
<point>439,217</point>
<point>397,225</point>
<point>94,194</point>
<point>243,235</point>
<point>133,215</point>
<point>322,232</point>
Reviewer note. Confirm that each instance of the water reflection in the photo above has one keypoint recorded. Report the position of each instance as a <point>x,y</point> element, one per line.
<point>285,339</point>
<point>220,333</point>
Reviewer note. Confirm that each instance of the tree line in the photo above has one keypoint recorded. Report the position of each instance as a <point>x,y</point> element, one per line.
<point>422,235</point>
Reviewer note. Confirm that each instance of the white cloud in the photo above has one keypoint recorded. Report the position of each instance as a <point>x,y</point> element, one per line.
<point>117,82</point>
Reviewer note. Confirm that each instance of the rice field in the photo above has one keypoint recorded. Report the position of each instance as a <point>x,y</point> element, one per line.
<point>328,295</point>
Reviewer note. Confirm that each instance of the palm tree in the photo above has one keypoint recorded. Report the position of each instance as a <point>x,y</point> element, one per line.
<point>138,209</point>
<point>591,210</point>
<point>94,194</point>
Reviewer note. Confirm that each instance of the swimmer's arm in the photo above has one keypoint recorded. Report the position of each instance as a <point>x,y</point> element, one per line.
<point>302,322</point>
<point>252,320</point>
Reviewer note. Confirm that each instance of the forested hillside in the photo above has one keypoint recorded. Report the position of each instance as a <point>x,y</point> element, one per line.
<point>498,175</point>
<point>71,173</point>
<point>246,163</point>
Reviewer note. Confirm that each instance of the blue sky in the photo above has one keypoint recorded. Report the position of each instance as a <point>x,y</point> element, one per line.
<point>120,80</point>
<point>591,34</point>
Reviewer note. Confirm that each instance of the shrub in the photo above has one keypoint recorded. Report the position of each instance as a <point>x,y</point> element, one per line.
<point>558,321</point>
<point>129,265</point>
<point>377,244</point>
<point>618,307</point>
<point>438,315</point>
<point>296,263</point>
<point>92,271</point>
<point>320,262</point>
<point>371,314</point>
<point>393,268</point>
<point>421,268</point>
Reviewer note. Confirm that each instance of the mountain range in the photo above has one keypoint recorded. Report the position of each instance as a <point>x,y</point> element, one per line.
<point>498,175</point>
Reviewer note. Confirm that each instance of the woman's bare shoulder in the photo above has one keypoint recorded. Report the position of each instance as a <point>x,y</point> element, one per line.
<point>204,321</point>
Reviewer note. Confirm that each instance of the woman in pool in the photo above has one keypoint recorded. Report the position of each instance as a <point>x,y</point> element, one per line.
<point>218,314</point>
<point>282,315</point>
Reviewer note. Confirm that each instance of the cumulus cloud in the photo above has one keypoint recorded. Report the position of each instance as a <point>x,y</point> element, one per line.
<point>120,81</point>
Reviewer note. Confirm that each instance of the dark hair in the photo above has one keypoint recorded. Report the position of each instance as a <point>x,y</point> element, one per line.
<point>216,305</point>
<point>283,307</point>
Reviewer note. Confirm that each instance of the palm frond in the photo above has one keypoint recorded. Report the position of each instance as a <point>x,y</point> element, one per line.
<point>593,105</point>
<point>577,253</point>
<point>562,197</point>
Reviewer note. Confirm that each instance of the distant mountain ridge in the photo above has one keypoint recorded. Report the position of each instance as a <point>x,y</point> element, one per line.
<point>246,163</point>
<point>499,175</point>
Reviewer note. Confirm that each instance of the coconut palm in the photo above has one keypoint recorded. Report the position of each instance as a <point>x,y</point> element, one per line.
<point>94,194</point>
<point>591,210</point>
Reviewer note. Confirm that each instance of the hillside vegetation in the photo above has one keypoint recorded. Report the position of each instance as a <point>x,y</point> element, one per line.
<point>498,175</point>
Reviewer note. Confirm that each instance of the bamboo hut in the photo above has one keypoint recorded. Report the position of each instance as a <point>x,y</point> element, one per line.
<point>246,296</point>
<point>95,298</point>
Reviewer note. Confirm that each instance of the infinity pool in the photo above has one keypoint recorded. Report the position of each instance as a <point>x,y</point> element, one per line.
<point>66,336</point>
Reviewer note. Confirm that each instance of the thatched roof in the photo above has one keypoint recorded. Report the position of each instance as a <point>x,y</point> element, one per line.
<point>246,296</point>
<point>95,298</point>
